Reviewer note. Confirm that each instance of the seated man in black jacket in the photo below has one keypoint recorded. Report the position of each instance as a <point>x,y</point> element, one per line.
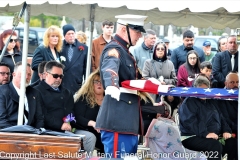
<point>201,123</point>
<point>58,103</point>
<point>41,73</point>
<point>9,101</point>
<point>229,109</point>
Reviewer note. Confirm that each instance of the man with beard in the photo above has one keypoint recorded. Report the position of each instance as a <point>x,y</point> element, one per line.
<point>179,55</point>
<point>226,61</point>
<point>229,108</point>
<point>58,103</point>
<point>4,73</point>
<point>99,43</point>
<point>9,101</point>
<point>207,51</point>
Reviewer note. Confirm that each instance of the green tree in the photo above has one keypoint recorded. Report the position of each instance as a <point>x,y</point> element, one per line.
<point>45,21</point>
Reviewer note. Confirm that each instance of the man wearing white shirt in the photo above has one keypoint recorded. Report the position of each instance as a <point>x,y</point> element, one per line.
<point>226,61</point>
<point>9,101</point>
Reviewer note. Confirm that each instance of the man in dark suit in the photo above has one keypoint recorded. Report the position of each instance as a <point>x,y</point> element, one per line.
<point>4,73</point>
<point>9,101</point>
<point>58,103</point>
<point>226,61</point>
<point>41,73</point>
<point>229,109</point>
<point>75,54</point>
<point>169,51</point>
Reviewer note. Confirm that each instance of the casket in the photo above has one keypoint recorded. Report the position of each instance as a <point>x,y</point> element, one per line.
<point>34,146</point>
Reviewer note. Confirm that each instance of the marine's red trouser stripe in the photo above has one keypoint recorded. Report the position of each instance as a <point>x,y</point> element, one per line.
<point>115,145</point>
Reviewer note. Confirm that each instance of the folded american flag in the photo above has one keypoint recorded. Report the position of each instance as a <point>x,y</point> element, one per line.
<point>213,93</point>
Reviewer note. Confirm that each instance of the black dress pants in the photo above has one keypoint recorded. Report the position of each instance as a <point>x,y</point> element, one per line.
<point>212,148</point>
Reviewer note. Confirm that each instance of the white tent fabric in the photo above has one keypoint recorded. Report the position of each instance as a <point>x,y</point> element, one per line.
<point>217,14</point>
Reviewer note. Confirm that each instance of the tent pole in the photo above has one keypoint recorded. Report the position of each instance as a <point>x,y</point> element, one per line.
<point>24,65</point>
<point>238,107</point>
<point>92,17</point>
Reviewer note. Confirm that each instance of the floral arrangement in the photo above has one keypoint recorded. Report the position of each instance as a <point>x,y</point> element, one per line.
<point>222,140</point>
<point>69,118</point>
<point>81,48</point>
<point>62,59</point>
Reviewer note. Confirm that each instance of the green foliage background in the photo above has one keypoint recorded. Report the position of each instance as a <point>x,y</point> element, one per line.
<point>41,20</point>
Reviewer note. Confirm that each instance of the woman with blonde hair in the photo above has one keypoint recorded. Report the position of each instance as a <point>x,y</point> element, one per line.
<point>49,50</point>
<point>88,100</point>
<point>81,37</point>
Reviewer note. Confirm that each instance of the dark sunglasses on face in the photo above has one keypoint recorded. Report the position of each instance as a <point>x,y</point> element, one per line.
<point>3,73</point>
<point>162,49</point>
<point>56,75</point>
<point>96,82</point>
<point>11,40</point>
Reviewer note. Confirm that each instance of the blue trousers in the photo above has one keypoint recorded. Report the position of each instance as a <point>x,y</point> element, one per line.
<point>116,144</point>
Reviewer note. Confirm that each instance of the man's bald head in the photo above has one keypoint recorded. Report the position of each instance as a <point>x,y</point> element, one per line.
<point>231,81</point>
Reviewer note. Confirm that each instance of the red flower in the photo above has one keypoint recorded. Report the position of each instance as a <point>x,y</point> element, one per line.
<point>233,135</point>
<point>81,48</point>
<point>64,119</point>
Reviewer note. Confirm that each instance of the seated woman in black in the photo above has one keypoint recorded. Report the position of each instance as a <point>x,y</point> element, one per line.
<point>87,103</point>
<point>201,124</point>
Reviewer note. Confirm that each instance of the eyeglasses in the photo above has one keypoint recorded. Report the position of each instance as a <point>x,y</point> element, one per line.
<point>192,58</point>
<point>3,73</point>
<point>162,49</point>
<point>56,75</point>
<point>11,40</point>
<point>96,82</point>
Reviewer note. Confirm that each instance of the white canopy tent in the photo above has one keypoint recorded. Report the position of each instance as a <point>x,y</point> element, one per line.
<point>218,14</point>
<point>204,13</point>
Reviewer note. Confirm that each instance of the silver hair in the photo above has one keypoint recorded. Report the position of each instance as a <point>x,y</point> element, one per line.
<point>200,80</point>
<point>149,32</point>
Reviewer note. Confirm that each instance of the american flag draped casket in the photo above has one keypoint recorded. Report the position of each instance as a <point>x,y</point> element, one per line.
<point>150,87</point>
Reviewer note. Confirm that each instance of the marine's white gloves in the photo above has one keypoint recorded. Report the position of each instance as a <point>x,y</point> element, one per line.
<point>155,81</point>
<point>113,91</point>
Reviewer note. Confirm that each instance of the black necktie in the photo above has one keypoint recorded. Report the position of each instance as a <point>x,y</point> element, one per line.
<point>25,111</point>
<point>25,115</point>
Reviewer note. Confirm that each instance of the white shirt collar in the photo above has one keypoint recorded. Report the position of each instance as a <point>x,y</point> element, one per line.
<point>17,89</point>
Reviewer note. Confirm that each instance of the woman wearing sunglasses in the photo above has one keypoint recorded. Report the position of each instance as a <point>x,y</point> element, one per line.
<point>13,52</point>
<point>48,51</point>
<point>87,104</point>
<point>160,67</point>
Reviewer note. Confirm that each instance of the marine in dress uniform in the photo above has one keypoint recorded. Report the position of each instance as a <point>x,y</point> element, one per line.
<point>119,116</point>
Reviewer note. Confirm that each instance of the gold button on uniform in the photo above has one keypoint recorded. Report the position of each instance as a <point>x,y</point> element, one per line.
<point>129,102</point>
